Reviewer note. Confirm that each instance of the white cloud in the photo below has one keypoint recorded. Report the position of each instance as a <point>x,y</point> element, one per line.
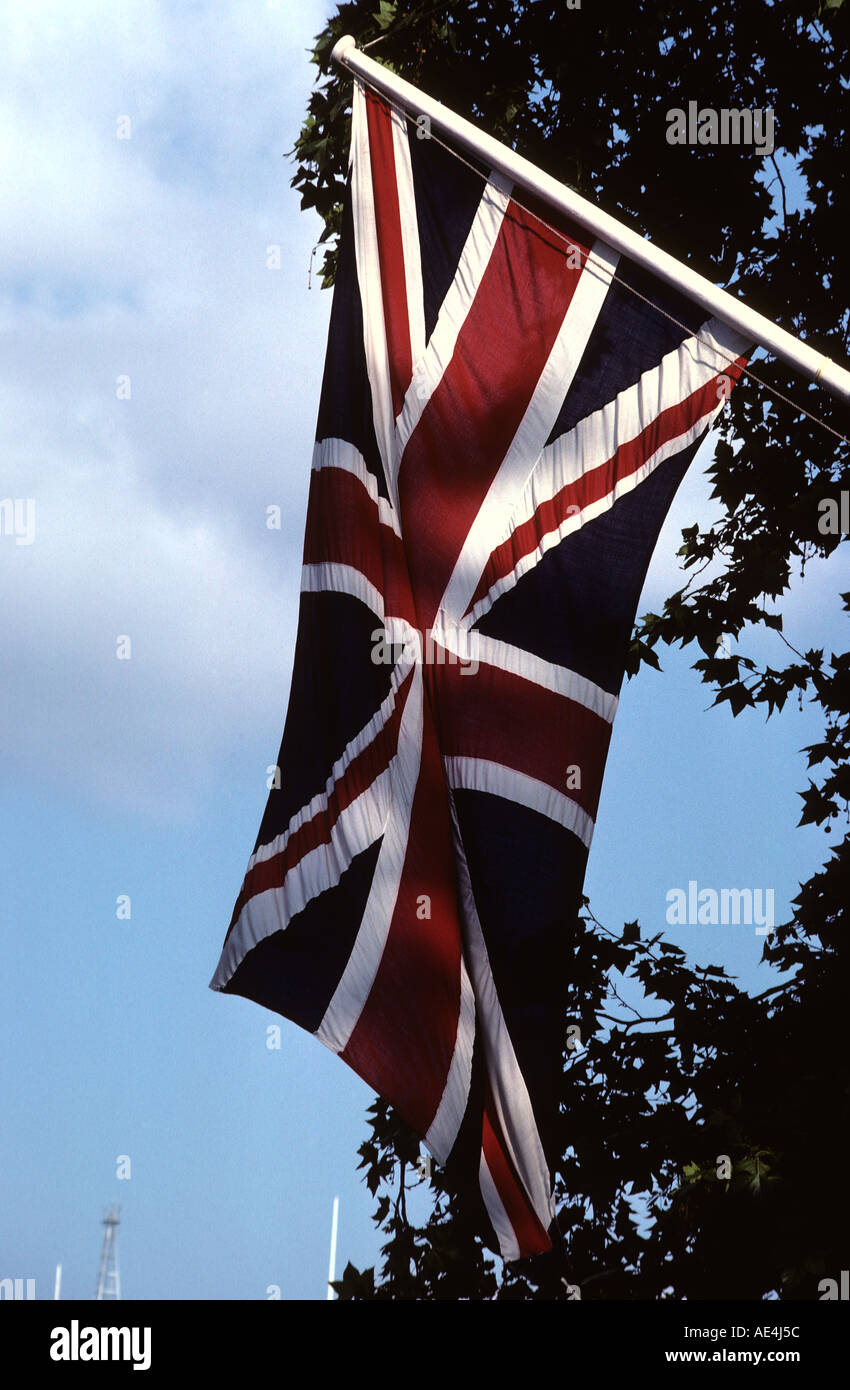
<point>211,629</point>
<point>147,258</point>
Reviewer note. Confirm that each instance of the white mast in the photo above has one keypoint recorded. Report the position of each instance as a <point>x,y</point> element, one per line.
<point>332,1265</point>
<point>718,302</point>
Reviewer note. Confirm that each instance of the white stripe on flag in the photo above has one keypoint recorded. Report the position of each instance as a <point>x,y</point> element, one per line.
<point>481,775</point>
<point>330,577</point>
<point>507,1083</point>
<point>354,987</point>
<point>338,453</point>
<point>469,645</point>
<point>356,828</point>
<point>499,1219</point>
<point>452,1108</point>
<point>321,801</point>
<point>493,522</point>
<point>595,440</point>
<point>475,257</point>
<point>371,293</point>
<point>409,235</point>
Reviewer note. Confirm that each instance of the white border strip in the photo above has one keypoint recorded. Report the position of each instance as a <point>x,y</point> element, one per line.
<point>352,992</point>
<point>371,292</point>
<point>492,524</point>
<point>357,827</point>
<point>595,440</point>
<point>321,800</point>
<point>429,368</point>
<point>507,1083</point>
<point>499,1219</point>
<point>338,453</point>
<point>446,1123</point>
<point>409,236</point>
<point>471,646</point>
<point>481,775</point>
<point>328,577</point>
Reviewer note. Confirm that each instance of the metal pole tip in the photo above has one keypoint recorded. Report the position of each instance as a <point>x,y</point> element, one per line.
<point>341,47</point>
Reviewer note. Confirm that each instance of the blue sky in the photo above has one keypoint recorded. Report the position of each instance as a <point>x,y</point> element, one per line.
<point>146,258</point>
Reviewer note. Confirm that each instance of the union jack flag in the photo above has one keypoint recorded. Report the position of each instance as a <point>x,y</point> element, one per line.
<point>503,423</point>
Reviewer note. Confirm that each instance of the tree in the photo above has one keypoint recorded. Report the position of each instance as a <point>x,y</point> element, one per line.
<point>664,1103</point>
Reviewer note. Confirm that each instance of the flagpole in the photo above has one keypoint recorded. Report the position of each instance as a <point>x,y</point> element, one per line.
<point>332,1264</point>
<point>732,311</point>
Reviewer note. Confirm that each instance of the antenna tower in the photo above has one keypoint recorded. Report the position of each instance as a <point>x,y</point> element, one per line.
<point>108,1281</point>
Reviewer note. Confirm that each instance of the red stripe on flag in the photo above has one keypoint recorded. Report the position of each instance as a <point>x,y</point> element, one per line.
<point>531,1236</point>
<point>470,420</point>
<point>499,716</point>
<point>404,1040</point>
<point>343,528</point>
<point>357,778</point>
<point>598,482</point>
<point>390,247</point>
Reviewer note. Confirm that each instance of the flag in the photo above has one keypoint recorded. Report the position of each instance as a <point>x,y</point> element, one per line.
<point>506,412</point>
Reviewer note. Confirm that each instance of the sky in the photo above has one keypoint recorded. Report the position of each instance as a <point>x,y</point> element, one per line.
<point>160,382</point>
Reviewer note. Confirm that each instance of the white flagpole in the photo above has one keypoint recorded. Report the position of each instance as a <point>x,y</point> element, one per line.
<point>332,1265</point>
<point>58,1283</point>
<point>718,302</point>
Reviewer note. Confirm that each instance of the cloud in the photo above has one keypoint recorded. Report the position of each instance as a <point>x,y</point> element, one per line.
<point>211,626</point>
<point>154,403</point>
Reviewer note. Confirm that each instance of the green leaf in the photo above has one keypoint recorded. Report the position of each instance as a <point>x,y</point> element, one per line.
<point>386,14</point>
